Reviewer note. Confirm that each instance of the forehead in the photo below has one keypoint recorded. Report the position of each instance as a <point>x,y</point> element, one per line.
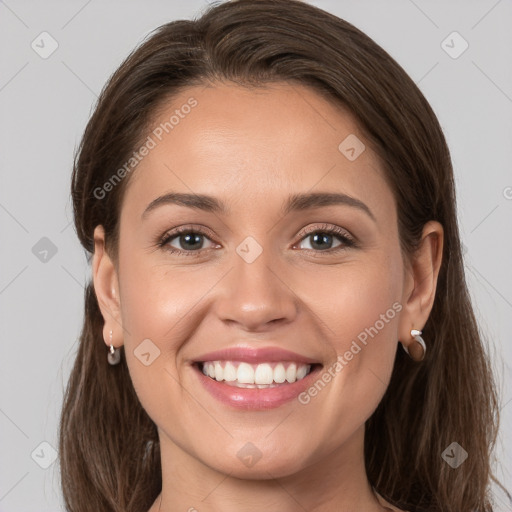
<point>248,145</point>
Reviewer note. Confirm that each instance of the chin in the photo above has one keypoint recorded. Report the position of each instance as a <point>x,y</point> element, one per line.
<point>250,463</point>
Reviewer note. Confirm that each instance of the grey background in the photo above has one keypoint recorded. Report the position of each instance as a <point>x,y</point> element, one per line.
<point>45,103</point>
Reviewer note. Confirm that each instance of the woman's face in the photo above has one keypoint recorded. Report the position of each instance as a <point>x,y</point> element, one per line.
<point>268,173</point>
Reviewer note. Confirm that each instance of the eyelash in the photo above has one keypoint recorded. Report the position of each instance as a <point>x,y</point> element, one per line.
<point>347,240</point>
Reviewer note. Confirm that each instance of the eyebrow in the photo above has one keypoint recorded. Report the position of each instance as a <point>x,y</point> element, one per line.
<point>295,202</point>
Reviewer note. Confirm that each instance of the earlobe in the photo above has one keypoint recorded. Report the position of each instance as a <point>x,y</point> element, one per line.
<point>420,288</point>
<point>106,286</point>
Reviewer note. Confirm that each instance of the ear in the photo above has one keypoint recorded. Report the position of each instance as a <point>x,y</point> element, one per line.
<point>420,285</point>
<point>106,287</point>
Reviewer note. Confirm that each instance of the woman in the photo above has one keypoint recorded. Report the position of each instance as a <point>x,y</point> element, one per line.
<point>269,204</point>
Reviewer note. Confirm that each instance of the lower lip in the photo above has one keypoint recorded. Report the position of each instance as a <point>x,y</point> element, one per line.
<point>254,398</point>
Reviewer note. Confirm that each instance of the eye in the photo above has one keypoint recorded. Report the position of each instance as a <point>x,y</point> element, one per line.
<point>185,240</point>
<point>321,239</point>
<point>189,241</point>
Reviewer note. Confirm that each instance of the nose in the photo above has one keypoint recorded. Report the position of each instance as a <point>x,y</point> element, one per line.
<point>254,296</point>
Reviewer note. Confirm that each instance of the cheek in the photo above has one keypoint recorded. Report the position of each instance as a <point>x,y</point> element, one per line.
<point>357,301</point>
<point>371,307</point>
<point>156,299</point>
<point>152,304</point>
<point>160,305</point>
<point>155,304</point>
<point>368,310</point>
<point>359,308</point>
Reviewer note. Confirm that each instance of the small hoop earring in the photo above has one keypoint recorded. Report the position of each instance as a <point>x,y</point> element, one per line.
<point>114,354</point>
<point>417,336</point>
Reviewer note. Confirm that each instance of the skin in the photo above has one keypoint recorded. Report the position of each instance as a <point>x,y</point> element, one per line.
<point>252,148</point>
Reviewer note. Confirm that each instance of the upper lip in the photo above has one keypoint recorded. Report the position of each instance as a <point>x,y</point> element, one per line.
<point>254,355</point>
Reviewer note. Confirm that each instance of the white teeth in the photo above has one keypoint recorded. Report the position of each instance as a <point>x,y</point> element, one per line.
<point>301,372</point>
<point>291,373</point>
<point>245,374</point>
<point>229,372</point>
<point>219,371</point>
<point>257,375</point>
<point>279,374</point>
<point>263,374</point>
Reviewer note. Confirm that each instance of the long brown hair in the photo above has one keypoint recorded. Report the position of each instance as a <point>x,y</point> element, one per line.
<point>109,450</point>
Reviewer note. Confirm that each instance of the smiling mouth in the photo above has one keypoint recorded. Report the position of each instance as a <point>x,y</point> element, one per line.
<point>265,375</point>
